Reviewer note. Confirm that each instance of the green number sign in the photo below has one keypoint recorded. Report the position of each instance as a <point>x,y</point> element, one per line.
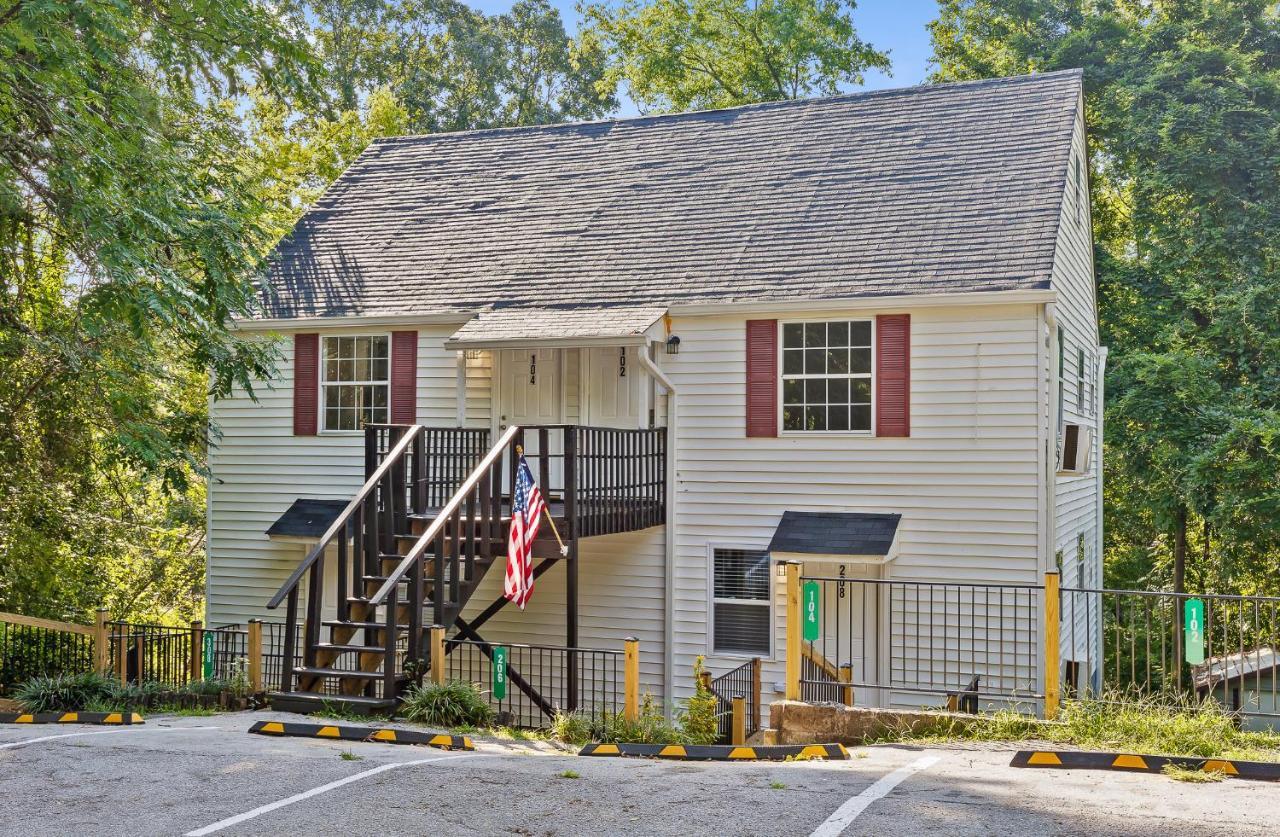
<point>809,598</point>
<point>1193,615</point>
<point>499,679</point>
<point>207,657</point>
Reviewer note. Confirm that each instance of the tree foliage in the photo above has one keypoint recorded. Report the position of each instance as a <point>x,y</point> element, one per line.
<point>1183,101</point>
<point>128,238</point>
<point>674,55</point>
<point>454,68</point>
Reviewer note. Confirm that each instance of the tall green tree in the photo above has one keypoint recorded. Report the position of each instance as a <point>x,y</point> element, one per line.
<point>1183,101</point>
<point>674,55</point>
<point>128,241</point>
<point>456,68</point>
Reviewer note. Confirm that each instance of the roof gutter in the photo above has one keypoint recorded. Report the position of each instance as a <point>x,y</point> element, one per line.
<point>668,535</point>
<point>352,320</point>
<point>869,303</point>
<point>549,342</point>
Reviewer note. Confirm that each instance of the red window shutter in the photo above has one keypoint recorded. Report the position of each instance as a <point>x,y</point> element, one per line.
<point>306,384</point>
<point>893,375</point>
<point>404,377</point>
<point>762,378</point>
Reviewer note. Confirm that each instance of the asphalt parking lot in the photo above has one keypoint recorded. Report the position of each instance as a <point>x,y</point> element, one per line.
<point>199,776</point>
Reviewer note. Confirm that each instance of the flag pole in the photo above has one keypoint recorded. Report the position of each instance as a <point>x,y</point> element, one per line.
<point>564,550</point>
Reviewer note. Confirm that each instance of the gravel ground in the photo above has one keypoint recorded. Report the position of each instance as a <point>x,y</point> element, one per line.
<point>181,775</point>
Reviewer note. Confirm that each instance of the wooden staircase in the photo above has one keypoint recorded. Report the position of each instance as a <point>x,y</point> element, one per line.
<point>403,565</point>
<point>416,541</point>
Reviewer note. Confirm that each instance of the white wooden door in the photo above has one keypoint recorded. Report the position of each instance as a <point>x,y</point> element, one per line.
<point>615,391</point>
<point>529,394</point>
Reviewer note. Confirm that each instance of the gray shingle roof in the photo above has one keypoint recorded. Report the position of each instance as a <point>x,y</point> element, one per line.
<point>947,188</point>
<point>835,533</point>
<point>307,518</point>
<point>507,324</point>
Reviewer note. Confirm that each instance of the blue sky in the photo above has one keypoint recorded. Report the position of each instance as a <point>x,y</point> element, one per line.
<point>893,25</point>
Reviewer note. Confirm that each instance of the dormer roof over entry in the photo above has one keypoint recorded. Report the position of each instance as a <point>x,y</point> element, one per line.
<point>855,537</point>
<point>510,328</point>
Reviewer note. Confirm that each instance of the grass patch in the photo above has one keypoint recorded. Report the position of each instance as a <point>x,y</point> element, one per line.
<point>186,711</point>
<point>331,711</point>
<point>453,704</point>
<point>347,755</point>
<point>570,774</point>
<point>1182,774</point>
<point>1135,726</point>
<point>776,785</point>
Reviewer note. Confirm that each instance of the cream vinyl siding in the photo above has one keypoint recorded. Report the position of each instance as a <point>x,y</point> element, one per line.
<point>1075,511</point>
<point>258,468</point>
<point>965,481</point>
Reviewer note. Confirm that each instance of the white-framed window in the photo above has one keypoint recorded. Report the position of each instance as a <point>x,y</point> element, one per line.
<point>355,381</point>
<point>1082,381</point>
<point>826,376</point>
<point>741,602</point>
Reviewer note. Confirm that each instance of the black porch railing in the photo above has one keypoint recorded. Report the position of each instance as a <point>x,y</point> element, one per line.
<point>539,681</point>
<point>744,682</point>
<point>924,638</point>
<point>1121,644</point>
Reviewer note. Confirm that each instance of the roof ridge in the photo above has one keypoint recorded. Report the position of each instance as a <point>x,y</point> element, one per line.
<point>890,92</point>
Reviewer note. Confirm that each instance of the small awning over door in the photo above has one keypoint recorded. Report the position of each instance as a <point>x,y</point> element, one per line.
<point>854,537</point>
<point>513,328</point>
<point>306,520</point>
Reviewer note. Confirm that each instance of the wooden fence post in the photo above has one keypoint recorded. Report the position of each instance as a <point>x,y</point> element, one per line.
<point>437,654</point>
<point>255,656</point>
<point>846,676</point>
<point>631,679</point>
<point>794,633</point>
<point>1051,647</point>
<point>738,736</point>
<point>101,643</point>
<point>197,652</point>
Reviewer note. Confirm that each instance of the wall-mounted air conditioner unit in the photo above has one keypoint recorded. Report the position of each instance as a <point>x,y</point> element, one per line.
<point>1075,449</point>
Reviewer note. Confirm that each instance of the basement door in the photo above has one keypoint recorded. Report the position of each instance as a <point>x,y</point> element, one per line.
<point>529,394</point>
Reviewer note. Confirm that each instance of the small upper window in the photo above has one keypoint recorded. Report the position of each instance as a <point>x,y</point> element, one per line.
<point>1082,381</point>
<point>740,601</point>
<point>826,376</point>
<point>355,382</point>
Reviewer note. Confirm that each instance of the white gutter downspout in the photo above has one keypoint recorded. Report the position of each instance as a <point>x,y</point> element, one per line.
<point>668,536</point>
<point>1099,392</point>
<point>1051,448</point>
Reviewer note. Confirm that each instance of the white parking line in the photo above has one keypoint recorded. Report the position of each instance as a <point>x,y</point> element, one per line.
<point>259,811</point>
<point>849,811</point>
<point>100,732</point>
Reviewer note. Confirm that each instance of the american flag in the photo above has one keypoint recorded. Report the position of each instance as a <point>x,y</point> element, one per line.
<point>526,515</point>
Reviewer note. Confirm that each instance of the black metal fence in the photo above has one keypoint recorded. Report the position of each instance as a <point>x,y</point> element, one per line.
<point>905,639</point>
<point>541,680</point>
<point>1120,644</point>
<point>28,651</point>
<point>744,682</point>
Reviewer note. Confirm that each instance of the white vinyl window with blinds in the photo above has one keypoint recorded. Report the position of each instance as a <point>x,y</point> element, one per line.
<point>740,609</point>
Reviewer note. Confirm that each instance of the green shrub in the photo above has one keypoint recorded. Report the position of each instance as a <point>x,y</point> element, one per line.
<point>134,695</point>
<point>451,704</point>
<point>205,687</point>
<point>573,727</point>
<point>63,693</point>
<point>649,728</point>
<point>698,723</point>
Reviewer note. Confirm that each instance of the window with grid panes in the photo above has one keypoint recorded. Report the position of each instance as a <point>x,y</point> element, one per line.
<point>355,381</point>
<point>740,602</point>
<point>826,376</point>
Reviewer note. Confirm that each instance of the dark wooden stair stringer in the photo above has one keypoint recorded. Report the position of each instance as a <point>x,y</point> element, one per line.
<point>396,559</point>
